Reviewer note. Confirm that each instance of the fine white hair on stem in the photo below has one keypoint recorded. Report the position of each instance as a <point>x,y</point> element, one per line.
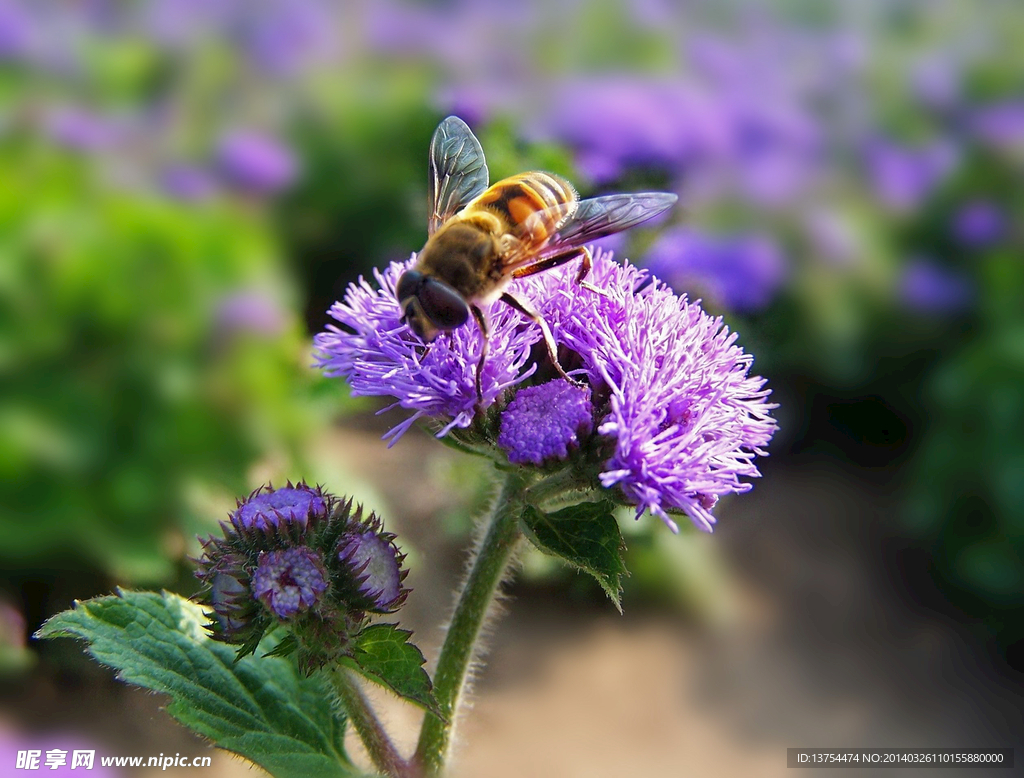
<point>495,610</point>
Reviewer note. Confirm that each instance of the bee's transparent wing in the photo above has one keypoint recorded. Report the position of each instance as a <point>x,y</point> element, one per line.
<point>599,217</point>
<point>458,170</point>
<point>585,221</point>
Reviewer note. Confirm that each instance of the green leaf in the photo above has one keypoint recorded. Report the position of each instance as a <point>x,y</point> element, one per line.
<point>383,653</point>
<point>260,708</point>
<point>587,537</point>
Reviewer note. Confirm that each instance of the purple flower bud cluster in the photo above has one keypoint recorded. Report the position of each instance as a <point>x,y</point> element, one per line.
<point>299,559</point>
<point>669,420</point>
<point>542,422</point>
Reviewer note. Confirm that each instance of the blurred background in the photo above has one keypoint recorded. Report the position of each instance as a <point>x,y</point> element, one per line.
<point>187,185</point>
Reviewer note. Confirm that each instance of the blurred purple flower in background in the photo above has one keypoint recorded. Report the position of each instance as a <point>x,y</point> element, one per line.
<point>930,288</point>
<point>979,223</point>
<point>1000,124</point>
<point>188,183</point>
<point>281,38</point>
<point>904,176</point>
<point>936,82</point>
<point>255,163</point>
<point>251,311</point>
<point>740,273</point>
<point>180,23</point>
<point>82,129</point>
<point>17,31</point>
<point>618,122</point>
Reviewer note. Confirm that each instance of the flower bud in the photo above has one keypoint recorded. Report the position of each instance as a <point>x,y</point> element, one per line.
<point>543,421</point>
<point>374,563</point>
<point>298,559</point>
<point>289,581</point>
<point>273,508</point>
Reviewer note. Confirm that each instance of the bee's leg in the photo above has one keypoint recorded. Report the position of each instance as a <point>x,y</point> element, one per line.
<point>549,339</point>
<point>481,322</point>
<point>585,265</point>
<point>560,259</point>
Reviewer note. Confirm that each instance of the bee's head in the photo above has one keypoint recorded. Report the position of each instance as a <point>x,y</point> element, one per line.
<point>429,305</point>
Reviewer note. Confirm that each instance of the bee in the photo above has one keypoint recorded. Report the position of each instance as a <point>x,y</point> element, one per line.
<point>481,237</point>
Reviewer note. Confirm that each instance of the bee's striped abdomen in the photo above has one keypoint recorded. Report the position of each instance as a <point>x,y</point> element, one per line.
<point>519,197</point>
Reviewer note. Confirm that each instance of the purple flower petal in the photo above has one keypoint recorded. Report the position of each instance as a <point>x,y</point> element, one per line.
<point>380,356</point>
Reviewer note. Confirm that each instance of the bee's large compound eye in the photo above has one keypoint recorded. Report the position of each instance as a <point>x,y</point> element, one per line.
<point>408,285</point>
<point>446,308</point>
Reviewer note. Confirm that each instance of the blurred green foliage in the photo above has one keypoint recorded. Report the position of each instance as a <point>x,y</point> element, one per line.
<point>129,403</point>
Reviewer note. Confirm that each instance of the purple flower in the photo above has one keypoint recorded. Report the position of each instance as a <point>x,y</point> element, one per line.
<point>379,356</point>
<point>904,176</point>
<point>289,581</point>
<point>929,288</point>
<point>18,31</point>
<point>935,81</point>
<point>614,123</point>
<point>373,560</point>
<point>256,163</point>
<point>1000,124</point>
<point>229,598</point>
<point>740,273</point>
<point>250,311</point>
<point>684,421</point>
<point>81,129</point>
<point>979,223</point>
<point>268,509</point>
<point>180,23</point>
<point>282,38</point>
<point>188,183</point>
<point>543,421</point>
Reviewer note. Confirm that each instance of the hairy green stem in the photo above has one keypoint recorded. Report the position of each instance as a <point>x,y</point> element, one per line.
<point>489,565</point>
<point>380,748</point>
